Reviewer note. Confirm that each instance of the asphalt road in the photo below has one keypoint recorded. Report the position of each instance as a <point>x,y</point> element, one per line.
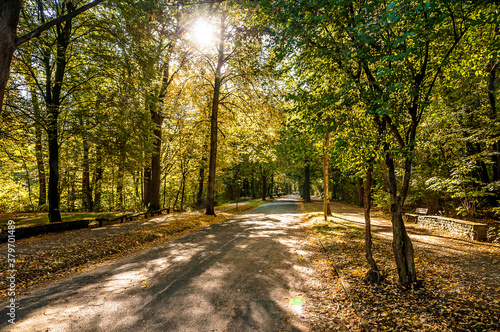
<point>241,275</point>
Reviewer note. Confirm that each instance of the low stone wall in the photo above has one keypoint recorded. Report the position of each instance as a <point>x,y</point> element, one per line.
<point>474,230</point>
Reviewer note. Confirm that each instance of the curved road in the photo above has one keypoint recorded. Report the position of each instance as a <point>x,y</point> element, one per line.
<point>241,275</point>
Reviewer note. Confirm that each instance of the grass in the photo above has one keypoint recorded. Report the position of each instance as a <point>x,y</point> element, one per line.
<point>41,218</point>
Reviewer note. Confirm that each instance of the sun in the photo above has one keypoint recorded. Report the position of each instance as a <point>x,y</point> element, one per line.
<point>203,33</point>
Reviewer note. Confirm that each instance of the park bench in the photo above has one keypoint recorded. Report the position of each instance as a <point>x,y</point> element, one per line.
<point>414,216</point>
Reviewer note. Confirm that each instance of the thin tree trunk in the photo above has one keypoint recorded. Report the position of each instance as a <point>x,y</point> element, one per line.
<point>97,182</point>
<point>154,196</point>
<point>494,115</point>
<point>326,180</point>
<point>307,182</point>
<point>147,186</point>
<point>164,190</point>
<point>199,196</point>
<point>254,196</point>
<point>213,126</point>
<point>119,186</point>
<point>271,190</point>
<point>177,195</point>
<point>373,274</point>
<point>87,192</point>
<point>183,190</point>
<point>359,187</point>
<point>42,189</point>
<point>401,243</point>
<point>264,185</point>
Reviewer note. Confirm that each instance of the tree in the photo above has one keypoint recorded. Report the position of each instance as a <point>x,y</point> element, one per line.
<point>9,41</point>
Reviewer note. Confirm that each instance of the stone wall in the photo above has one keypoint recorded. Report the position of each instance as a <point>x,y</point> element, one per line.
<point>474,230</point>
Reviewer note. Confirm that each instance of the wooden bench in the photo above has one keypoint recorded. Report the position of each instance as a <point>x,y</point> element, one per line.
<point>414,216</point>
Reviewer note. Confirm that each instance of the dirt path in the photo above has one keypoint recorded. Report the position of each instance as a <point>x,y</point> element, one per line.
<point>241,275</point>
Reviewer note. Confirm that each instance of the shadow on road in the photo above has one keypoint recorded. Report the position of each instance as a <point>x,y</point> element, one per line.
<point>235,276</point>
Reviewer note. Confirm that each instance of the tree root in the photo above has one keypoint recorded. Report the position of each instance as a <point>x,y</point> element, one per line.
<point>373,277</point>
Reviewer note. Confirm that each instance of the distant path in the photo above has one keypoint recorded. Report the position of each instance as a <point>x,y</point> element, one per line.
<point>239,275</point>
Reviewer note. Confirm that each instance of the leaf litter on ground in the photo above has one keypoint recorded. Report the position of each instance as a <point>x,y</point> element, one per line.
<point>461,278</point>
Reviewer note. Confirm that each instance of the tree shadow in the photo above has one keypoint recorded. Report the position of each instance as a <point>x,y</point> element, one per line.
<point>233,276</point>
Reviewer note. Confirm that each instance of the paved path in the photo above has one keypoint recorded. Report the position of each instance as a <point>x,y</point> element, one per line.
<point>239,275</point>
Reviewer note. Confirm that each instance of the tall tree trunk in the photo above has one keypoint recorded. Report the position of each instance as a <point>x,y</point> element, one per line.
<point>9,18</point>
<point>359,187</point>
<point>97,181</point>
<point>326,180</point>
<point>494,115</point>
<point>53,100</point>
<point>264,184</point>
<point>154,196</point>
<point>401,243</point>
<point>147,186</point>
<point>87,192</point>
<point>201,179</point>
<point>254,196</point>
<point>177,195</point>
<point>183,190</point>
<point>307,182</point>
<point>271,190</point>
<point>213,126</point>
<point>42,189</point>
<point>119,185</point>
<point>373,274</point>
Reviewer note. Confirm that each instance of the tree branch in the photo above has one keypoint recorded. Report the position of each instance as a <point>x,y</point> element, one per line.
<point>36,32</point>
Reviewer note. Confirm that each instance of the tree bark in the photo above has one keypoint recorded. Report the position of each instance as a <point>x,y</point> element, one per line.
<point>119,186</point>
<point>307,182</point>
<point>42,189</point>
<point>359,187</point>
<point>264,184</point>
<point>183,186</point>
<point>53,100</point>
<point>199,196</point>
<point>146,200</point>
<point>254,195</point>
<point>87,191</point>
<point>9,19</point>
<point>373,274</point>
<point>271,190</point>
<point>154,187</point>
<point>326,180</point>
<point>213,125</point>
<point>494,115</point>
<point>97,181</point>
<point>401,243</point>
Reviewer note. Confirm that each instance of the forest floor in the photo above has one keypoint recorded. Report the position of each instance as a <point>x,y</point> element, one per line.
<point>461,278</point>
<point>49,257</point>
